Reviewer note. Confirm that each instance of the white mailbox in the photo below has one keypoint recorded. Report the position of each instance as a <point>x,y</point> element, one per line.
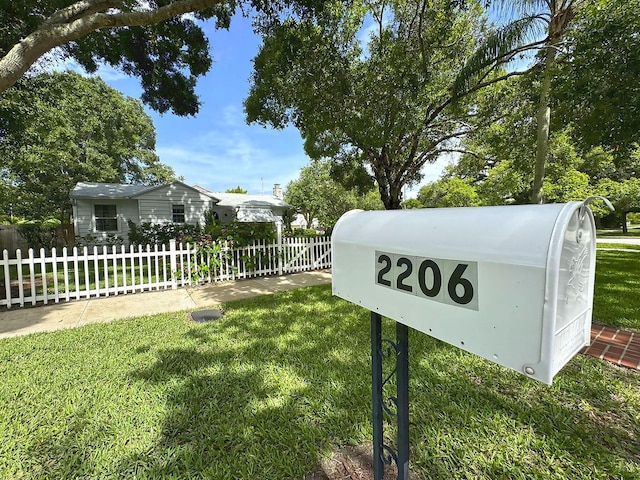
<point>513,284</point>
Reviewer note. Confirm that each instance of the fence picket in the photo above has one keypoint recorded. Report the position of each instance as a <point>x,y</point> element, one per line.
<point>96,270</point>
<point>65,272</point>
<point>54,268</point>
<point>32,276</point>
<point>124,269</point>
<point>141,267</point>
<point>7,277</point>
<point>20,279</point>
<point>85,261</point>
<point>164,265</point>
<point>114,265</point>
<point>76,272</point>
<point>43,277</point>
<point>105,269</point>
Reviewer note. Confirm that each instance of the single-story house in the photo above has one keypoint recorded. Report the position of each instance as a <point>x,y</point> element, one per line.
<point>100,209</point>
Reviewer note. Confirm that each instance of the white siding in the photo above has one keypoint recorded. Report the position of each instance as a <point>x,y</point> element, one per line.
<point>225,213</point>
<point>84,217</point>
<point>156,205</point>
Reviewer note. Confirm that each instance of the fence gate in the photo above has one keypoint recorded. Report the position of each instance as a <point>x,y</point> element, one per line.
<point>305,254</point>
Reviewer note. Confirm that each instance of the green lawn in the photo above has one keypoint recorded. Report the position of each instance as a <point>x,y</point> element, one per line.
<point>280,382</point>
<point>616,300</point>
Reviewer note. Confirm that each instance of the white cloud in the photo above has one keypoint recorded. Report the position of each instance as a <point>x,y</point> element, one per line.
<point>220,160</point>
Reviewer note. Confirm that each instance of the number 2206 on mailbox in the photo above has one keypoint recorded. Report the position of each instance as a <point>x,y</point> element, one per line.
<point>447,281</point>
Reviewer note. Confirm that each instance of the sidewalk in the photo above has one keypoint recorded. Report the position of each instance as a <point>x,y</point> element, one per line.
<point>47,318</point>
<point>616,346</point>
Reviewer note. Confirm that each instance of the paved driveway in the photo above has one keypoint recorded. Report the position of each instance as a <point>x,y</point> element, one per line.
<point>627,241</point>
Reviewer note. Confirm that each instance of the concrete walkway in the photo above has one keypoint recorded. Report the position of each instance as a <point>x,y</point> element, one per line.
<point>47,318</point>
<point>616,346</point>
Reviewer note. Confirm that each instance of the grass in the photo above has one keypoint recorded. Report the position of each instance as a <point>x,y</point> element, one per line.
<point>616,299</point>
<point>618,246</point>
<point>280,382</point>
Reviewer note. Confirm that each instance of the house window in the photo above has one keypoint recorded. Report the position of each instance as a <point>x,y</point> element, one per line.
<point>106,218</point>
<point>178,213</point>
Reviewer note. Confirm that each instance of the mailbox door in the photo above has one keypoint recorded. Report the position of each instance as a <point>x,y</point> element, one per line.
<point>570,295</point>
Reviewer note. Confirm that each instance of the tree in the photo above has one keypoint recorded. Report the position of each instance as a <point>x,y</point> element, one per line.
<point>448,192</point>
<point>597,84</point>
<point>160,41</point>
<point>153,40</point>
<point>625,197</point>
<point>411,203</point>
<point>58,129</point>
<point>379,114</point>
<point>509,43</point>
<point>237,189</point>
<point>315,195</point>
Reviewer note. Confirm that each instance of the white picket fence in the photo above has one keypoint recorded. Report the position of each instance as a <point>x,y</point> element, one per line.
<point>57,276</point>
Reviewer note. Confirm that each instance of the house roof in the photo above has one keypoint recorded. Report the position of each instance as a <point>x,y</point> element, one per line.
<point>243,199</point>
<point>95,190</point>
<point>98,190</point>
<point>107,190</point>
<point>252,215</point>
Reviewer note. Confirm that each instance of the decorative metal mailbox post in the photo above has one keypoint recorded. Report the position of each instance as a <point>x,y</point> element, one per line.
<point>512,284</point>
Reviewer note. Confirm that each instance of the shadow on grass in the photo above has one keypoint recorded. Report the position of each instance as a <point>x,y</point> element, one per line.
<point>283,380</point>
<point>294,383</point>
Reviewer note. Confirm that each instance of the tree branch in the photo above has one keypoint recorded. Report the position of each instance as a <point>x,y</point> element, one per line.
<point>50,35</point>
<point>82,8</point>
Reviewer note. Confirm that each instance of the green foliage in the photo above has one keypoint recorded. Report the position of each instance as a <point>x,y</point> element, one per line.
<point>148,233</point>
<point>597,81</point>
<point>288,216</point>
<point>451,192</point>
<point>89,240</point>
<point>237,189</point>
<point>316,195</point>
<point>303,232</point>
<point>167,57</point>
<point>412,203</point>
<point>135,37</point>
<point>58,129</point>
<point>379,114</point>
<point>40,234</point>
<point>241,234</point>
<point>208,255</point>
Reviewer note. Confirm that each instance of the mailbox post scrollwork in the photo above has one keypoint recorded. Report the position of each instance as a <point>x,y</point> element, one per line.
<point>395,406</point>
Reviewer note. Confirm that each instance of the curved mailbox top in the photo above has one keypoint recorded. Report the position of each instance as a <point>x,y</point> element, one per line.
<point>513,284</point>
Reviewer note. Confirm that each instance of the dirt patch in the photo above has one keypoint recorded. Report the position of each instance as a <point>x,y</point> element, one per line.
<point>349,463</point>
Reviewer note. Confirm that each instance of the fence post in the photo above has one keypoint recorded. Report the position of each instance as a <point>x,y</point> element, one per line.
<point>279,233</point>
<point>174,265</point>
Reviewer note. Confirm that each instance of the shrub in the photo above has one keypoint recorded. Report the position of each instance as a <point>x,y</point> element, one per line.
<point>89,240</point>
<point>151,234</point>
<point>40,233</point>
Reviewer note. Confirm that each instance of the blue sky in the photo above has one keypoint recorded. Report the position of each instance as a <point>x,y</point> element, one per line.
<point>217,149</point>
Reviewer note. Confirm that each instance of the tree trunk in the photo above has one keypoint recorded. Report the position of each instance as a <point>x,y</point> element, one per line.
<point>543,120</point>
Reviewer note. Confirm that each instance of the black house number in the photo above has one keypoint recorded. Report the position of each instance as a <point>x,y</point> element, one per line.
<point>447,281</point>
